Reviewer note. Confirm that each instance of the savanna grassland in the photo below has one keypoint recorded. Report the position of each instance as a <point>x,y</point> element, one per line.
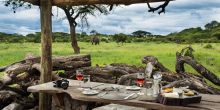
<point>107,53</point>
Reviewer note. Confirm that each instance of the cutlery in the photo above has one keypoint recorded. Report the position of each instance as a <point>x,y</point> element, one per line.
<point>96,86</point>
<point>103,94</point>
<point>129,95</point>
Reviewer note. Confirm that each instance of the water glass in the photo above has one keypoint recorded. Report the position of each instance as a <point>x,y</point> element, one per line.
<point>86,80</point>
<point>148,86</point>
<point>156,83</point>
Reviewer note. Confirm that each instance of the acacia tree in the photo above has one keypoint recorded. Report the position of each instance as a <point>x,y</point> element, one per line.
<point>212,25</point>
<point>81,12</point>
<point>72,14</point>
<point>93,32</point>
<point>15,4</point>
<point>141,33</point>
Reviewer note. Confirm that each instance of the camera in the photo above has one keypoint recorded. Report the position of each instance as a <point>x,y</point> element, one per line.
<point>62,83</point>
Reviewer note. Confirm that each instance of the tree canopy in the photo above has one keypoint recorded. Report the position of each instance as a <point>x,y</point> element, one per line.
<point>190,35</point>
<point>140,33</point>
<point>212,25</point>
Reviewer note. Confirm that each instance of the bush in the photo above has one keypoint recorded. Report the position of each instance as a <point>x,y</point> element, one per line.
<point>139,40</point>
<point>208,46</point>
<point>105,40</point>
<point>217,35</point>
<point>120,38</point>
<point>129,41</point>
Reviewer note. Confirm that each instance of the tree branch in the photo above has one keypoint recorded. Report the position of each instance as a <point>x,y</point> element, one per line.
<point>98,8</point>
<point>162,7</point>
<point>80,12</point>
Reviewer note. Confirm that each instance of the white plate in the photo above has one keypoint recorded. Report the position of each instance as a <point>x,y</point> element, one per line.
<point>90,92</point>
<point>133,88</point>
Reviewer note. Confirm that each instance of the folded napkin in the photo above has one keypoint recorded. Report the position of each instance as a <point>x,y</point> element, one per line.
<point>171,95</point>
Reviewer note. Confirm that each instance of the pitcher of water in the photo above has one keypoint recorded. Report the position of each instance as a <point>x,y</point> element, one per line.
<point>156,85</point>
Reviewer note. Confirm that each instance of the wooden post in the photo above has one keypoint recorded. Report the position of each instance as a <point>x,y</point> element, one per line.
<point>46,51</point>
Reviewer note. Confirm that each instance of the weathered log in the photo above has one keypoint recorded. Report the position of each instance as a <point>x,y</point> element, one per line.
<point>25,79</point>
<point>181,60</point>
<point>13,106</point>
<point>38,68</point>
<point>194,85</point>
<point>107,74</point>
<point>3,68</point>
<point>59,63</point>
<point>7,97</point>
<point>29,68</point>
<point>6,79</point>
<point>73,62</point>
<point>126,67</point>
<point>154,61</point>
<point>100,79</point>
<point>18,68</point>
<point>180,79</point>
<point>17,89</point>
<point>123,79</point>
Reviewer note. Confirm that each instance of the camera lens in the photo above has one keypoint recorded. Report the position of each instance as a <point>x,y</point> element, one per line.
<point>64,85</point>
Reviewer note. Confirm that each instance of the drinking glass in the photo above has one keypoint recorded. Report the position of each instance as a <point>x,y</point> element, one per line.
<point>148,85</point>
<point>157,86</point>
<point>86,80</point>
<point>79,76</point>
<point>140,79</point>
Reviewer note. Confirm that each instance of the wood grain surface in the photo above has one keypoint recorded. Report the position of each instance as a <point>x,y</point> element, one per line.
<point>209,102</point>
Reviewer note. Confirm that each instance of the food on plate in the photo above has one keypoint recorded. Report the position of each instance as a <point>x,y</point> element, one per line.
<point>189,93</point>
<point>171,95</point>
<point>167,90</point>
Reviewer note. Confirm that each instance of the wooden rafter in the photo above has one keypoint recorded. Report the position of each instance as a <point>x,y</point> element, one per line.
<point>92,2</point>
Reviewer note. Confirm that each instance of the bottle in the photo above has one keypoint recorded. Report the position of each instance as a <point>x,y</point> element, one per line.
<point>156,86</point>
<point>148,70</point>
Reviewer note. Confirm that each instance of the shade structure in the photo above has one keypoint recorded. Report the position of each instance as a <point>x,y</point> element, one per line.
<point>46,34</point>
<point>93,2</point>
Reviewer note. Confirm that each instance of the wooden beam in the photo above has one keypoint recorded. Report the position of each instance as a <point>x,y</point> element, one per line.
<point>92,2</point>
<point>46,51</point>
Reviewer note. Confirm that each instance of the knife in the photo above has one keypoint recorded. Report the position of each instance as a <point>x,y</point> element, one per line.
<point>129,95</point>
<point>103,94</point>
<point>96,86</point>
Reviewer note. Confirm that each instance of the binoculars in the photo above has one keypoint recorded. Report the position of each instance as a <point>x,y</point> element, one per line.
<point>62,83</point>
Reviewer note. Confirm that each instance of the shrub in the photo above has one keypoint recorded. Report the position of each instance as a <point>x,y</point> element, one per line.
<point>104,40</point>
<point>217,35</point>
<point>120,38</point>
<point>129,41</point>
<point>208,46</point>
<point>139,40</point>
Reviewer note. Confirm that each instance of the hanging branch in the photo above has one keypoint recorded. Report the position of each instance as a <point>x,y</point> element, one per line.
<point>162,7</point>
<point>15,4</point>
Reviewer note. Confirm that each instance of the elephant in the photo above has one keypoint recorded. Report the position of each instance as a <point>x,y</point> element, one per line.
<point>95,40</point>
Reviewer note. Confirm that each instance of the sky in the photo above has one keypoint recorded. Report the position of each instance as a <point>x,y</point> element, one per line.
<point>180,14</point>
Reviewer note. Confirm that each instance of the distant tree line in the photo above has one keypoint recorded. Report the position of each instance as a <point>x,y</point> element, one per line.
<point>210,34</point>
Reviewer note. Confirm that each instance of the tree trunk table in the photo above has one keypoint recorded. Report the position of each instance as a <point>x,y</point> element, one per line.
<point>73,99</point>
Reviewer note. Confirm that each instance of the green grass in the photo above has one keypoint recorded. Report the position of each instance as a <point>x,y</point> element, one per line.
<point>106,53</point>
